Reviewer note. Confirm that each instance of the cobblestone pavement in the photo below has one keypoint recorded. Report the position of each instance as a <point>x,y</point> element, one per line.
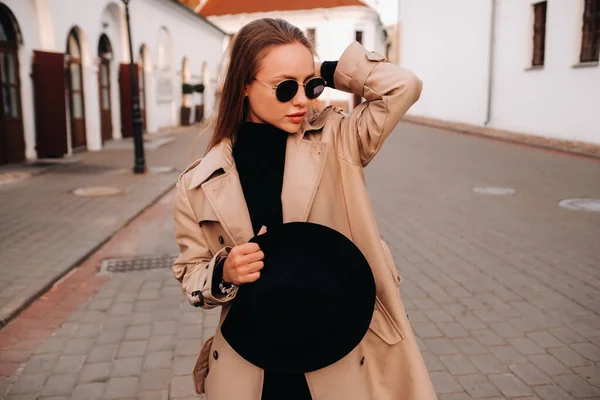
<point>502,291</point>
<point>46,230</point>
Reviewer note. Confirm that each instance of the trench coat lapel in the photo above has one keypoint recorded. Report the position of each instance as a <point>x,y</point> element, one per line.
<point>304,162</point>
<point>224,192</point>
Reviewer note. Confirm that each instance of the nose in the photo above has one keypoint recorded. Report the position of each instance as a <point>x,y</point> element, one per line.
<point>300,98</point>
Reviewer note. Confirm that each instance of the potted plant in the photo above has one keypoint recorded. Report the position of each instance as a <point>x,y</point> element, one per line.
<point>186,112</point>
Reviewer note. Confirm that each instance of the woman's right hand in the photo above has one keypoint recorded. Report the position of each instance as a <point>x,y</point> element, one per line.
<point>244,262</point>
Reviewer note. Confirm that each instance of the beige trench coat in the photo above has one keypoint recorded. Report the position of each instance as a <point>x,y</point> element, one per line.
<point>323,183</point>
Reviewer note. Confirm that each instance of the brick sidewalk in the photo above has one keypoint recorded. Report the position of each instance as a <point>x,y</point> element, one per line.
<point>503,292</point>
<point>46,230</point>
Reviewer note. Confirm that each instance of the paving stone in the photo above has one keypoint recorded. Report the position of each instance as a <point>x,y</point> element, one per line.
<point>98,372</point>
<point>120,309</point>
<point>565,335</point>
<point>189,332</point>
<point>544,339</point>
<point>458,364</point>
<point>182,386</point>
<point>40,363</point>
<point>188,347</point>
<point>552,392</point>
<point>163,342</point>
<point>69,364</point>
<point>549,364</point>
<point>138,332</point>
<point>52,345</point>
<point>526,346</point>
<point>132,348</point>
<point>121,388</point>
<point>488,364</point>
<point>587,351</point>
<point>568,357</point>
<point>487,338</point>
<point>426,329</point>
<point>59,385</point>
<point>507,355</point>
<point>107,352</point>
<point>510,385</point>
<point>444,383</point>
<point>111,335</point>
<point>441,346</point>
<point>154,395</point>
<point>88,391</point>
<point>529,374</point>
<point>78,346</point>
<point>155,379</point>
<point>576,386</point>
<point>469,346</point>
<point>164,328</point>
<point>29,384</point>
<point>124,367</point>
<point>87,330</point>
<point>452,329</point>
<point>185,365</point>
<point>141,318</point>
<point>478,386</point>
<point>160,359</point>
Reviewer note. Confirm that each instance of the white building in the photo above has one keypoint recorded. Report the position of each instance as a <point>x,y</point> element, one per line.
<point>512,65</point>
<point>331,24</point>
<point>65,76</point>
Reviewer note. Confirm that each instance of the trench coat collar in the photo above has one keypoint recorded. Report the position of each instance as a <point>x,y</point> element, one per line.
<point>218,177</point>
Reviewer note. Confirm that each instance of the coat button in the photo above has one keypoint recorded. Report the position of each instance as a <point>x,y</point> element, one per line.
<point>215,355</point>
<point>221,240</point>
<point>362,361</point>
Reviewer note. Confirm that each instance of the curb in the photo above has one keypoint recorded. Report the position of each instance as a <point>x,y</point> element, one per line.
<point>578,148</point>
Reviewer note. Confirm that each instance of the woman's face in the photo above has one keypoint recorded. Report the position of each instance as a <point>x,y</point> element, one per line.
<point>282,62</point>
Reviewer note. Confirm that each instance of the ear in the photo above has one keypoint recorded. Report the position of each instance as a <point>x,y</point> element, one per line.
<point>245,91</point>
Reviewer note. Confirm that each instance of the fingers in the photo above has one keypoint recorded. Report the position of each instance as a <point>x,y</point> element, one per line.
<point>263,230</point>
<point>247,248</point>
<point>254,267</point>
<point>253,277</point>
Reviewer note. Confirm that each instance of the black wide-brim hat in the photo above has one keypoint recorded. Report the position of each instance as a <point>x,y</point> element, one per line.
<point>311,306</point>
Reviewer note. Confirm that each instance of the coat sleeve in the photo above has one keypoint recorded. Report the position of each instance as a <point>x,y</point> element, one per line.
<point>389,91</point>
<point>195,264</point>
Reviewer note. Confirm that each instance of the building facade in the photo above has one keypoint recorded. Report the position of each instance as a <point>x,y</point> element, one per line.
<point>65,72</point>
<point>521,66</point>
<point>330,25</point>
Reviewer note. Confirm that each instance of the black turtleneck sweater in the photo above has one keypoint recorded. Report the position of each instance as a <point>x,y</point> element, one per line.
<point>259,154</point>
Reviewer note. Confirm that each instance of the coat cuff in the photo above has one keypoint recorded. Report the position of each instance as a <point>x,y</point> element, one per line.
<point>327,72</point>
<point>203,293</point>
<point>353,69</point>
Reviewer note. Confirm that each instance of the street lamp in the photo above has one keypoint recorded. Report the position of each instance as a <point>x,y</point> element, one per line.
<point>138,142</point>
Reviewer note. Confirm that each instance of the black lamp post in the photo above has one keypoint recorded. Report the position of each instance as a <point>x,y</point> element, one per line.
<point>138,142</point>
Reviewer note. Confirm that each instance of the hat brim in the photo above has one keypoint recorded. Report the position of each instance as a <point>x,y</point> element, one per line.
<point>311,306</point>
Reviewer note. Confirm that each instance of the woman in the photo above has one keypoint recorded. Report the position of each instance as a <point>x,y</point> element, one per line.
<point>270,162</point>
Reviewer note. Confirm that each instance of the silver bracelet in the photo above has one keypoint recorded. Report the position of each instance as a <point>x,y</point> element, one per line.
<point>226,288</point>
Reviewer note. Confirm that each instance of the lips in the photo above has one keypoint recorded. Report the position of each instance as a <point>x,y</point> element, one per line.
<point>302,114</point>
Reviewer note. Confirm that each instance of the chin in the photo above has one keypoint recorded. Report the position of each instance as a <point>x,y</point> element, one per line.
<point>290,127</point>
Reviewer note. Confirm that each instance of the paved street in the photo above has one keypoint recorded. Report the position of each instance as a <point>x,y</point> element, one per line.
<point>46,230</point>
<point>503,291</point>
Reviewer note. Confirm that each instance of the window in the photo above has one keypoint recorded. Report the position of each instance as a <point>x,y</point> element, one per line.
<point>311,34</point>
<point>358,36</point>
<point>539,33</point>
<point>590,35</point>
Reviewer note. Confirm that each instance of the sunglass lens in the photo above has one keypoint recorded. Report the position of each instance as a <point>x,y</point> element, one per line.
<point>286,90</point>
<point>315,87</point>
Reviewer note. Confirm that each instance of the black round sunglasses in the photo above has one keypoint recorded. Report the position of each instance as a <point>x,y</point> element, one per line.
<point>286,90</point>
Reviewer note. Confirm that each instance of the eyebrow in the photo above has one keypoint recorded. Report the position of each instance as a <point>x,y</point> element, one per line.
<point>277,77</point>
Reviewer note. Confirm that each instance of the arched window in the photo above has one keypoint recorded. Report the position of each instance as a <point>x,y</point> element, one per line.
<point>165,53</point>
<point>75,81</point>
<point>105,53</point>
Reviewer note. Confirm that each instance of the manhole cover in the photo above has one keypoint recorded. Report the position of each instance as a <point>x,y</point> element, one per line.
<point>590,205</point>
<point>13,176</point>
<point>494,190</point>
<point>136,263</point>
<point>97,191</point>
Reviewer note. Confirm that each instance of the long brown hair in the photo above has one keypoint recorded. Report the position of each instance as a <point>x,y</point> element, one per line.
<point>247,50</point>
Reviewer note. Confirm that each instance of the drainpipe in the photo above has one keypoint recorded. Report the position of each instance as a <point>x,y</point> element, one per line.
<point>491,64</point>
